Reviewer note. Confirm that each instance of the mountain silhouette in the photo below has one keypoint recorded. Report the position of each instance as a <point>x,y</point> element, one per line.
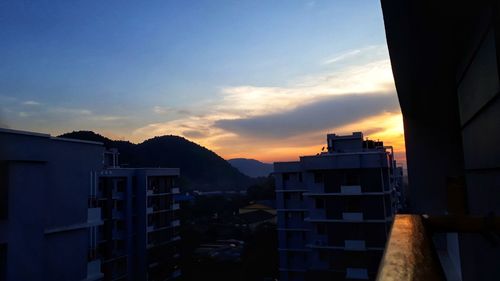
<point>251,167</point>
<point>200,167</point>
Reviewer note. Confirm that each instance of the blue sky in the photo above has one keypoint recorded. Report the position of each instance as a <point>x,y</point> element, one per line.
<point>135,69</point>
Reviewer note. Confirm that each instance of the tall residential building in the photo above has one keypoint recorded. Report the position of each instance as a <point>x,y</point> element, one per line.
<point>69,213</point>
<point>335,210</point>
<point>140,231</point>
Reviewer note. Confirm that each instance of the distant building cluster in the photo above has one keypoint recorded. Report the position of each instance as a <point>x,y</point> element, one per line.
<point>69,212</point>
<point>335,210</point>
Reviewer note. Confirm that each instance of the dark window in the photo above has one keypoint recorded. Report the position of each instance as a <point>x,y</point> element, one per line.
<point>323,255</point>
<point>121,185</point>
<point>353,204</point>
<point>319,203</point>
<point>300,177</point>
<point>4,189</point>
<point>351,177</point>
<point>286,177</point>
<point>318,177</point>
<point>286,195</point>
<point>321,228</point>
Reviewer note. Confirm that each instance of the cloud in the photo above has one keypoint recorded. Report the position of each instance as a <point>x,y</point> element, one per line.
<point>343,56</point>
<point>31,102</point>
<point>160,109</point>
<point>24,114</point>
<point>69,111</point>
<point>109,118</point>
<point>358,56</point>
<point>194,134</point>
<point>323,114</point>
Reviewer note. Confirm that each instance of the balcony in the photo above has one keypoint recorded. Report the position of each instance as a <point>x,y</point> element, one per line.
<point>176,190</point>
<point>118,195</point>
<point>175,223</point>
<point>118,214</point>
<point>118,234</point>
<point>176,206</point>
<point>317,213</point>
<point>355,245</point>
<point>410,253</point>
<point>94,270</point>
<point>94,216</point>
<point>295,204</point>
<point>350,189</point>
<point>352,216</point>
<point>319,240</point>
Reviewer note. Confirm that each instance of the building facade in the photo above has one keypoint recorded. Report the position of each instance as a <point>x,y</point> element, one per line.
<point>69,213</point>
<point>335,210</point>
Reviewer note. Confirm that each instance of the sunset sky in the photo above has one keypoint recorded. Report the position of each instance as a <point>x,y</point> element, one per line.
<point>256,79</point>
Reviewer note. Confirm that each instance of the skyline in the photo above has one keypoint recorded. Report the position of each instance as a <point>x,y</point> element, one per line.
<point>249,79</point>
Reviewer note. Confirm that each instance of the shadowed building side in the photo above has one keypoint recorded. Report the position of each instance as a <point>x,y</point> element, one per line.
<point>445,59</point>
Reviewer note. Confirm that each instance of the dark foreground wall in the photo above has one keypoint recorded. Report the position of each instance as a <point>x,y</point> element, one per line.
<point>445,57</point>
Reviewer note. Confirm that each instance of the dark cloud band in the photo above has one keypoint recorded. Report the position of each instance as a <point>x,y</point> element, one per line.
<point>323,114</point>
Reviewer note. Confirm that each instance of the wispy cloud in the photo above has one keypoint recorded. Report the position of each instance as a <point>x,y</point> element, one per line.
<point>160,109</point>
<point>342,56</point>
<point>31,102</point>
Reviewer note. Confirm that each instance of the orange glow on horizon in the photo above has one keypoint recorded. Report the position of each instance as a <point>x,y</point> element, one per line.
<point>387,127</point>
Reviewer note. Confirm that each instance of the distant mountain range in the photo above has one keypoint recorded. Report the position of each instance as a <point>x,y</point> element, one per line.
<point>200,168</point>
<point>251,167</point>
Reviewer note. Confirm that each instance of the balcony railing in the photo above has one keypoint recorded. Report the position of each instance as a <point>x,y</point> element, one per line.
<point>410,253</point>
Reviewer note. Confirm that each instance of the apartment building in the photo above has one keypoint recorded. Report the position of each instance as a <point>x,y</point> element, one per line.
<point>70,213</point>
<point>335,210</point>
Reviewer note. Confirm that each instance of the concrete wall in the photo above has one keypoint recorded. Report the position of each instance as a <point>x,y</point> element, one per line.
<point>445,60</point>
<point>478,87</point>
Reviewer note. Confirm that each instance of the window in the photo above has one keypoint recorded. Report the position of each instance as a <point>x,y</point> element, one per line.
<point>353,204</point>
<point>300,177</point>
<point>351,177</point>
<point>318,177</point>
<point>323,255</point>
<point>319,203</point>
<point>286,195</point>
<point>321,228</point>
<point>121,185</point>
<point>286,177</point>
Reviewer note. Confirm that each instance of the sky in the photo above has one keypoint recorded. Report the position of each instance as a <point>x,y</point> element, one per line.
<point>248,78</point>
